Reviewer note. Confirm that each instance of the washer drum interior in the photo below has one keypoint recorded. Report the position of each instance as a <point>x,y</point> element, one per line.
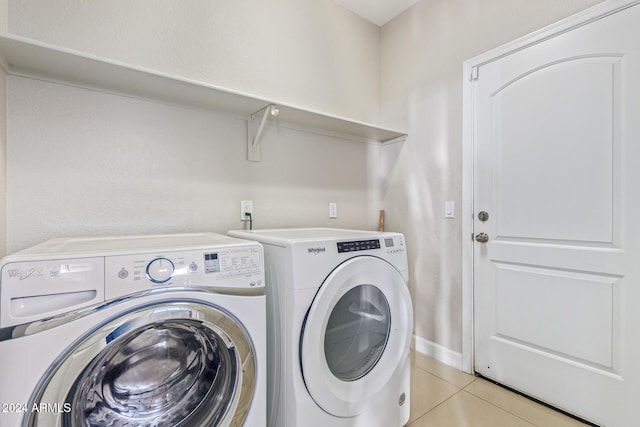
<point>169,364</point>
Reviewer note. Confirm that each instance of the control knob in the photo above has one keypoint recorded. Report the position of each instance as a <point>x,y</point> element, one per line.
<point>160,270</point>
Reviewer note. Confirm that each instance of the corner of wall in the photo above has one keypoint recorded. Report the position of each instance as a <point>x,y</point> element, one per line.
<point>437,351</point>
<point>3,162</point>
<point>4,16</point>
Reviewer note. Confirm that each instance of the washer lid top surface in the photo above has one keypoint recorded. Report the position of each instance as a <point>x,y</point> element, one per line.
<point>111,245</point>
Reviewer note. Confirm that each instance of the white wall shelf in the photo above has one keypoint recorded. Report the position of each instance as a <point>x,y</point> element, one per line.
<point>29,58</point>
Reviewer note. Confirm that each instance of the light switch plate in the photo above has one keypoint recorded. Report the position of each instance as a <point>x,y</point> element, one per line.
<point>333,210</point>
<point>449,209</point>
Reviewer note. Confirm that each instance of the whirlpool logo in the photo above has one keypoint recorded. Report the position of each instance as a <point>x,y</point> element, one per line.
<point>316,251</point>
<point>15,273</point>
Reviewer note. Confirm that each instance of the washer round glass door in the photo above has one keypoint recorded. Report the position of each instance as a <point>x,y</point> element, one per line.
<point>356,332</point>
<point>169,364</point>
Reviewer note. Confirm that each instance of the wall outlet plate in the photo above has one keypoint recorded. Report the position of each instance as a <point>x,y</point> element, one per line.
<point>246,206</point>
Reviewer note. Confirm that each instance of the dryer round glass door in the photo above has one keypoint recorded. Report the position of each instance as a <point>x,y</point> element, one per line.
<point>177,363</point>
<point>356,333</point>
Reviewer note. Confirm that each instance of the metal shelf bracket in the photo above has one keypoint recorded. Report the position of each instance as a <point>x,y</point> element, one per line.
<point>255,128</point>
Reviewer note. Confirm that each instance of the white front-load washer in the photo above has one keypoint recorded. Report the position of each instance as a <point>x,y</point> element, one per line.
<point>159,330</point>
<point>339,327</point>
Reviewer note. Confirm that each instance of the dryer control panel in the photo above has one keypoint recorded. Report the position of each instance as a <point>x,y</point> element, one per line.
<point>390,244</point>
<point>229,267</point>
<point>358,245</point>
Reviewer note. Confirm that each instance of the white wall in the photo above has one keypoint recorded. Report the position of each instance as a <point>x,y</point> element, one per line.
<point>3,163</point>
<point>310,53</point>
<point>422,52</point>
<point>82,162</point>
<point>3,140</point>
<point>4,17</point>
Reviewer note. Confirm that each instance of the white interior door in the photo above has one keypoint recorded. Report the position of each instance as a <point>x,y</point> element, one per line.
<point>557,170</point>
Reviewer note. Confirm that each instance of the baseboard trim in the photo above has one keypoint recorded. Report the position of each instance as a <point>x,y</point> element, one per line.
<point>438,352</point>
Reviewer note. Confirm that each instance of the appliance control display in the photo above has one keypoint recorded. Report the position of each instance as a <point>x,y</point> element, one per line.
<point>240,261</point>
<point>358,245</point>
<point>211,263</point>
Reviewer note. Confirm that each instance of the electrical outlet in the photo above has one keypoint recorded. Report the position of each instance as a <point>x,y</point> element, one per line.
<point>333,210</point>
<point>246,206</point>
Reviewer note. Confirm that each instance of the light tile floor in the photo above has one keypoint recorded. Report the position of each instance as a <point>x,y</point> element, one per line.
<point>442,396</point>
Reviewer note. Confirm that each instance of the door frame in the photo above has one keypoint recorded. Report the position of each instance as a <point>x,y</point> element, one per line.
<point>471,72</point>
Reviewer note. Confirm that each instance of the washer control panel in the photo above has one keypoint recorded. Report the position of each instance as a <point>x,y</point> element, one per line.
<point>233,266</point>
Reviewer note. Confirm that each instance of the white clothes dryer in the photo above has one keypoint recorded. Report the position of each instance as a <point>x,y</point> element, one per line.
<point>339,328</point>
<point>159,330</point>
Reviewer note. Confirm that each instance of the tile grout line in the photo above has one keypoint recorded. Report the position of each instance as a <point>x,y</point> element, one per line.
<point>463,389</point>
<point>430,410</point>
<point>528,398</point>
<point>471,394</point>
<point>499,407</point>
<point>446,380</point>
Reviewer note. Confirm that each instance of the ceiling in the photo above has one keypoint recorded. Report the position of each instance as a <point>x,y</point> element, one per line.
<point>377,11</point>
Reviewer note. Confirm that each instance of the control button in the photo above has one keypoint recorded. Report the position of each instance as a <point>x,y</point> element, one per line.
<point>193,266</point>
<point>160,270</point>
<point>123,274</point>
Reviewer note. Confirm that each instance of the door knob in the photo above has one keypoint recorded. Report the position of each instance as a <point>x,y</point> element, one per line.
<point>482,237</point>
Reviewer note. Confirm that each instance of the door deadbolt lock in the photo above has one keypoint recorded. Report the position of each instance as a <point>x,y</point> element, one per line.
<point>483,216</point>
<point>482,237</point>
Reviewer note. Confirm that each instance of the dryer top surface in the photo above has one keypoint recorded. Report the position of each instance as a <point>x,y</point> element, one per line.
<point>293,235</point>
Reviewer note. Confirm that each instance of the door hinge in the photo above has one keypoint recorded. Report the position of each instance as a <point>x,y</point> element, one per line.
<point>475,73</point>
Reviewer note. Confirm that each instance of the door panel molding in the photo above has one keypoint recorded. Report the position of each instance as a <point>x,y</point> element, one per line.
<point>539,289</point>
